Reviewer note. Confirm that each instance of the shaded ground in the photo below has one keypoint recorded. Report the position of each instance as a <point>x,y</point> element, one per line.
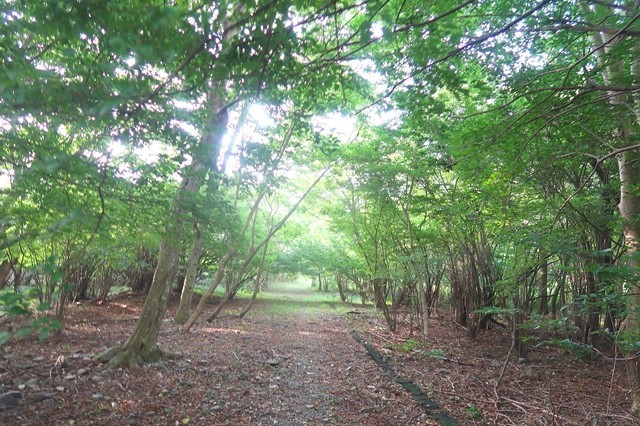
<point>292,361</point>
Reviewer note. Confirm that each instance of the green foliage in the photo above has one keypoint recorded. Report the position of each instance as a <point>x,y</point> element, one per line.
<point>115,290</point>
<point>482,166</point>
<point>496,310</point>
<point>24,306</point>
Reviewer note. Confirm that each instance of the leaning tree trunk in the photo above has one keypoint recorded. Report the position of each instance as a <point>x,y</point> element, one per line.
<point>142,347</point>
<point>254,295</point>
<point>237,282</point>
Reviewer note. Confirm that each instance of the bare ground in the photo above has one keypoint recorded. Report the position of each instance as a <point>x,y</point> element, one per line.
<point>292,361</point>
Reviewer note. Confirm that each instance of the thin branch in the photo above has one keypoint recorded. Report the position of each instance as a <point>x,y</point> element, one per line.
<point>434,19</point>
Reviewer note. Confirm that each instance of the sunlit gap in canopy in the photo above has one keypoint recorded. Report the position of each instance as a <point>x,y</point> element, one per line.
<point>257,121</point>
<point>335,124</point>
<point>148,154</point>
<point>6,176</point>
<point>381,114</point>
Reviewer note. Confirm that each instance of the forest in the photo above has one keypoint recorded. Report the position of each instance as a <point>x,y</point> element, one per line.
<point>462,167</point>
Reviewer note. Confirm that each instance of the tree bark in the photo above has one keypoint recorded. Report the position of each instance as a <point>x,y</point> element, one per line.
<point>5,270</point>
<point>141,347</point>
<point>184,308</point>
<point>627,104</point>
<point>424,304</point>
<point>340,282</point>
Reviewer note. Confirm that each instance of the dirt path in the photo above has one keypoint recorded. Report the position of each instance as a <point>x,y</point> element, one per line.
<point>292,361</point>
<point>322,375</point>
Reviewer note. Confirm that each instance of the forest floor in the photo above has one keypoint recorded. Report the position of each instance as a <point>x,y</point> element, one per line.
<point>294,361</point>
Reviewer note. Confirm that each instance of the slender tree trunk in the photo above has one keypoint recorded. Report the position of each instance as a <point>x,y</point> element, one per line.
<point>237,282</point>
<point>256,285</point>
<point>543,302</point>
<point>253,250</point>
<point>254,295</point>
<point>203,300</point>
<point>424,304</point>
<point>227,296</point>
<point>184,308</point>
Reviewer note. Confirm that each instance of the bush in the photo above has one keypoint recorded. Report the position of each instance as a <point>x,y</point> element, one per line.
<point>24,304</point>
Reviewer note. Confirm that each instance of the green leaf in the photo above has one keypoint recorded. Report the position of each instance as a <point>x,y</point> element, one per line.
<point>43,333</point>
<point>44,306</point>
<point>23,332</point>
<point>434,353</point>
<point>15,310</point>
<point>4,336</point>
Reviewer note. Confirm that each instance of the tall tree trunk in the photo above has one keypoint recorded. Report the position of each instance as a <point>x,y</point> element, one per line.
<point>184,308</point>
<point>543,301</point>
<point>142,347</point>
<point>627,106</point>
<point>629,166</point>
<point>340,282</point>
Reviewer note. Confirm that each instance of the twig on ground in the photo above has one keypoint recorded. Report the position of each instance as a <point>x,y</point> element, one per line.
<point>452,385</point>
<point>383,337</point>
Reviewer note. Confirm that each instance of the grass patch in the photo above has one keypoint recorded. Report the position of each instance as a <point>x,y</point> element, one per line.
<point>298,297</point>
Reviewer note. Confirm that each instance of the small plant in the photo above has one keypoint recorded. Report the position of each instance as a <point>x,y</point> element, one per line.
<point>119,289</point>
<point>473,412</point>
<point>409,345</point>
<point>581,351</point>
<point>434,353</point>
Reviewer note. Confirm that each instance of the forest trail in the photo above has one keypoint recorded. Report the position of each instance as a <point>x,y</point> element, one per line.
<point>294,361</point>
<point>291,361</point>
<point>307,369</point>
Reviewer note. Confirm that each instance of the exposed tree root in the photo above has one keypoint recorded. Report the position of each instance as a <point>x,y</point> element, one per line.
<point>118,356</point>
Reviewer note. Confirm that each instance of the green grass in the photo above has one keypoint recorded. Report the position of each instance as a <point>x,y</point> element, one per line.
<point>298,297</point>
